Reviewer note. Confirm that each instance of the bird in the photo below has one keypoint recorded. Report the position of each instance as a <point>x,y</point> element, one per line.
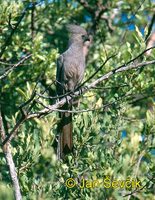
<point>69,74</point>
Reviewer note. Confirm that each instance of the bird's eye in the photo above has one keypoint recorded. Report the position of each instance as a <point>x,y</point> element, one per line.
<point>83,36</point>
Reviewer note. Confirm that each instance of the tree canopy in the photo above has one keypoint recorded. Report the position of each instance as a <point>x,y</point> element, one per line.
<point>114,123</point>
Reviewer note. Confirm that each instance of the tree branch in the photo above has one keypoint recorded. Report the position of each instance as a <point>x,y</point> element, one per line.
<point>14,66</point>
<point>150,27</point>
<point>32,21</point>
<point>51,108</point>
<point>130,61</point>
<point>96,11</point>
<point>125,67</point>
<point>86,6</point>
<point>9,160</point>
<point>8,40</point>
<point>108,22</point>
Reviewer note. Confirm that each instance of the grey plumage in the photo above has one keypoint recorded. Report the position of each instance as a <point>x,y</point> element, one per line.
<point>71,64</point>
<point>70,72</point>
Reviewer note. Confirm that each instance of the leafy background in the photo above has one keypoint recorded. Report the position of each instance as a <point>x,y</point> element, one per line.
<point>116,140</point>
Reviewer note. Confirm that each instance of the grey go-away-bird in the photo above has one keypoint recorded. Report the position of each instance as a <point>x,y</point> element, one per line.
<point>70,72</point>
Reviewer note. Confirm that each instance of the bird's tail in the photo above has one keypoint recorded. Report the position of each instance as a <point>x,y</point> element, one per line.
<point>65,132</point>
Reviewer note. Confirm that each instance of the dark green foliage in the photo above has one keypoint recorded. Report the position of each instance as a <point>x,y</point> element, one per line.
<point>100,150</point>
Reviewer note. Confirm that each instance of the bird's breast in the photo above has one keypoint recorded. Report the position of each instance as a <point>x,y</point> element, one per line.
<point>74,69</point>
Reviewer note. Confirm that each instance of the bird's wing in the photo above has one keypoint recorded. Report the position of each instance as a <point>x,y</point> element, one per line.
<point>59,68</point>
<point>60,75</point>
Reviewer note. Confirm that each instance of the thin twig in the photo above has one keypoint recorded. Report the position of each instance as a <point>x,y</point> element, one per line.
<point>99,69</point>
<point>108,22</point>
<point>109,88</point>
<point>130,65</point>
<point>86,5</point>
<point>150,27</point>
<point>137,169</point>
<point>14,66</point>
<point>8,40</point>
<point>12,134</point>
<point>85,89</point>
<point>138,190</point>
<point>32,21</point>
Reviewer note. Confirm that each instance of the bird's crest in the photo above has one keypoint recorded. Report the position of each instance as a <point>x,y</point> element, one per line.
<point>75,29</point>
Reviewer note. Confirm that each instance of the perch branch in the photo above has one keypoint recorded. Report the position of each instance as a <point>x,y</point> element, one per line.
<point>125,67</point>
